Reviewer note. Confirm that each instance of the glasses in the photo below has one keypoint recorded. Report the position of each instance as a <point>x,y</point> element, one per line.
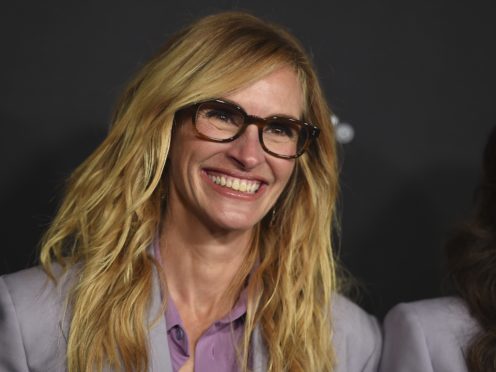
<point>221,121</point>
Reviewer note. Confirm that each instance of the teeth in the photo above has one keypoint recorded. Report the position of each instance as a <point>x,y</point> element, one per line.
<point>242,186</point>
<point>237,184</point>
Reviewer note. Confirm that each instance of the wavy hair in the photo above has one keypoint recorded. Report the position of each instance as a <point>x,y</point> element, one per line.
<point>115,200</point>
<point>471,261</point>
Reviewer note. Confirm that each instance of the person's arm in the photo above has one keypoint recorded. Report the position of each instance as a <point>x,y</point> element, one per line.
<point>372,363</point>
<point>405,348</point>
<point>12,354</point>
<point>357,337</point>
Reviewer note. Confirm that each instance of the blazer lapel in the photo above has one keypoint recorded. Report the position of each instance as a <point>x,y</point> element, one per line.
<point>159,347</point>
<point>259,351</point>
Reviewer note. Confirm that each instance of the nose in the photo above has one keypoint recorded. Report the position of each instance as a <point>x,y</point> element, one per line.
<point>246,150</point>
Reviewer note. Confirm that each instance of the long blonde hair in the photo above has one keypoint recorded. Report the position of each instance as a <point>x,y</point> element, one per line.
<point>115,200</point>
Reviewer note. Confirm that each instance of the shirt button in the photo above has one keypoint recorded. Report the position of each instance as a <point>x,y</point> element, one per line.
<point>179,334</point>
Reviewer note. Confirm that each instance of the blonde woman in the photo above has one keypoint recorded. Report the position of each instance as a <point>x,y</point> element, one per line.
<point>198,235</point>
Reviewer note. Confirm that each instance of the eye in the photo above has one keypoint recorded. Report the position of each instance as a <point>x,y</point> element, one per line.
<point>282,130</point>
<point>222,115</point>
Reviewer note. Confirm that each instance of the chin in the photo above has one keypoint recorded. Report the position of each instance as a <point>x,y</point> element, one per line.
<point>236,222</point>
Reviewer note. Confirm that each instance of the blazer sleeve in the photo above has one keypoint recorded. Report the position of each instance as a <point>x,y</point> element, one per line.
<point>372,363</point>
<point>405,347</point>
<point>12,353</point>
<point>370,345</point>
<point>357,337</point>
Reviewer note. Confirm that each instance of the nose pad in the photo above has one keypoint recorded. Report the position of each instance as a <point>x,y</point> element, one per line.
<point>247,150</point>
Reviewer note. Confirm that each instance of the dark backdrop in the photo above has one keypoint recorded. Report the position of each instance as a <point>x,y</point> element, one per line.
<point>415,79</point>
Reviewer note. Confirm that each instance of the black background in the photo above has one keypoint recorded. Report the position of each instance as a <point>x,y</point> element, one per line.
<point>415,79</point>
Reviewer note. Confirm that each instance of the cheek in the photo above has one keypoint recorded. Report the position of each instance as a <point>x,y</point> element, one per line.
<point>184,148</point>
<point>286,178</point>
<point>283,170</point>
<point>180,158</point>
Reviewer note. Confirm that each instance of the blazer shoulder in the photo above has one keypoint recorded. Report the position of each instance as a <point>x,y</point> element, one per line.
<point>429,334</point>
<point>33,286</point>
<point>35,308</point>
<point>439,318</point>
<point>357,336</point>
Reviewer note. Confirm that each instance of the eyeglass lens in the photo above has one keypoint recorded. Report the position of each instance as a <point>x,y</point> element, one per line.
<point>221,121</point>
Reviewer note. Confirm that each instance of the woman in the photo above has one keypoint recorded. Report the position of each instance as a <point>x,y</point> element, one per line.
<point>455,333</point>
<point>192,239</point>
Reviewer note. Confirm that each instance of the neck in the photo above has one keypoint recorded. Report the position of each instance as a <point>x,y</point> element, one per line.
<point>200,265</point>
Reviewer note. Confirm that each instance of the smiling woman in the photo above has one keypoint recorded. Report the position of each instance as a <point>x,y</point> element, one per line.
<point>198,235</point>
<point>241,162</point>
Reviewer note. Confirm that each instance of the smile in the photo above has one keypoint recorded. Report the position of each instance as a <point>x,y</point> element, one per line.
<point>237,184</point>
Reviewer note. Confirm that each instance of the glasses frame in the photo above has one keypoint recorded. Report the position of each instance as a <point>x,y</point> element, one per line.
<point>312,130</point>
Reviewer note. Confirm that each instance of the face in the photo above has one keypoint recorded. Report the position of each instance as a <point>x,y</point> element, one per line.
<point>232,186</point>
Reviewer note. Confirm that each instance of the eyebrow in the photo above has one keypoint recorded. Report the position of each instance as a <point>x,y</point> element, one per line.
<point>268,116</point>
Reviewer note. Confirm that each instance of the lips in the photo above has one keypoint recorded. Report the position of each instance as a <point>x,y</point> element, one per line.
<point>235,183</point>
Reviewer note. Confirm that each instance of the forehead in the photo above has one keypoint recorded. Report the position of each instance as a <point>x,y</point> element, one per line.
<point>278,93</point>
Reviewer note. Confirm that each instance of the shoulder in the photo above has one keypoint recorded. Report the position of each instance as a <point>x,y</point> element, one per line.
<point>32,321</point>
<point>357,336</point>
<point>432,333</point>
<point>445,318</point>
<point>26,280</point>
<point>32,286</point>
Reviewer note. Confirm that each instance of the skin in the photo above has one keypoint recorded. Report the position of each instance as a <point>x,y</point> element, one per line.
<point>207,228</point>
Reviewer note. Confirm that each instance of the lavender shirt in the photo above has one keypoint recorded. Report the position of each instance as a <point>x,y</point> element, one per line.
<point>216,348</point>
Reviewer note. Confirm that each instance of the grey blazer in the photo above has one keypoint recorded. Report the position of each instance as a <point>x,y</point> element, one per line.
<point>427,336</point>
<point>33,329</point>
